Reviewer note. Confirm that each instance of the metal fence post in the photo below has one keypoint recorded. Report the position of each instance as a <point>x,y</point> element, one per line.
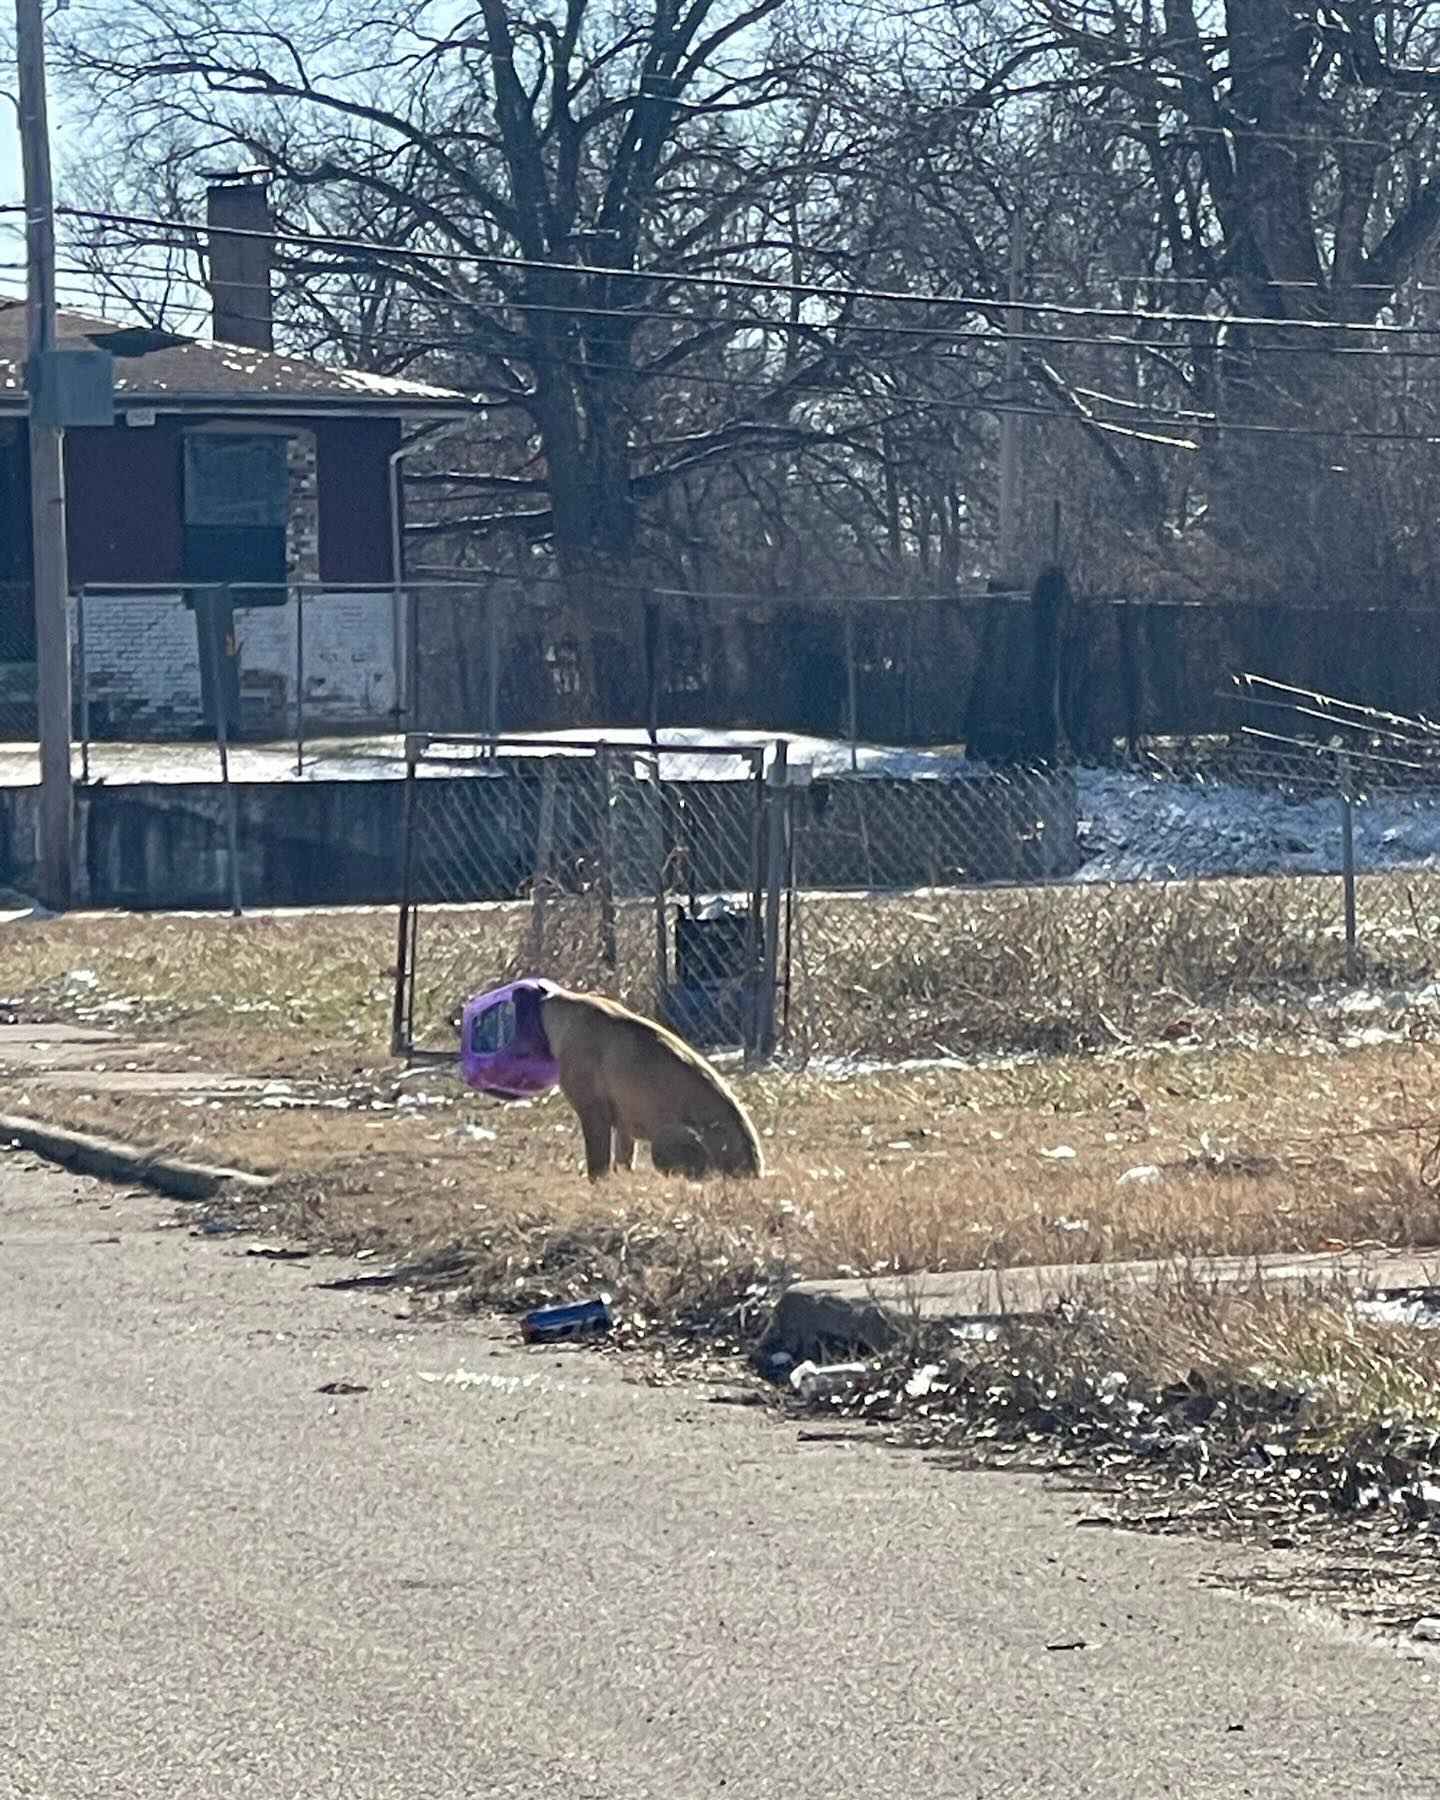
<point>661,855</point>
<point>1347,860</point>
<point>83,675</point>
<point>775,860</point>
<point>755,899</point>
<point>609,949</point>
<point>299,679</point>
<point>217,606</point>
<point>412,659</point>
<point>652,671</point>
<point>544,860</point>
<point>852,699</point>
<point>402,1017</point>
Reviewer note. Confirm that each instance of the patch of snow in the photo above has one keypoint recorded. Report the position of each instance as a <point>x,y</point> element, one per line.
<point>1138,827</point>
<point>1400,1309</point>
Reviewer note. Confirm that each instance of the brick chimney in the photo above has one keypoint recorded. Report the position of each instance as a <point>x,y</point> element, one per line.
<point>241,301</point>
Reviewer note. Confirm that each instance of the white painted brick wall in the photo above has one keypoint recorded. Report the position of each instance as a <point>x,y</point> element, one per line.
<point>143,667</point>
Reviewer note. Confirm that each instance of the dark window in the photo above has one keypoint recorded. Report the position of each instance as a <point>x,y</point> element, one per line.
<point>236,481</point>
<point>237,505</point>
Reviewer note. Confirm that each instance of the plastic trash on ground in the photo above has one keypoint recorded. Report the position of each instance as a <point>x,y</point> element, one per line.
<point>581,1318</point>
<point>823,1381</point>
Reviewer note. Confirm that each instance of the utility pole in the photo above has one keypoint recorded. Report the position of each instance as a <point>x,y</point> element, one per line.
<point>47,474</point>
<point>1007,574</point>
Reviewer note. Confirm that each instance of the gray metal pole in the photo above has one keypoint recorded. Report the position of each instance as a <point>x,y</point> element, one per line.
<point>605,849</point>
<point>1347,861</point>
<point>299,680</point>
<point>216,606</point>
<point>775,859</point>
<point>56,816</point>
<point>852,698</point>
<point>84,677</point>
<point>413,599</point>
<point>659,873</point>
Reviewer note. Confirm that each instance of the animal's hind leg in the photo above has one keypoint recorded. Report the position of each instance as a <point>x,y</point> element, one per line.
<point>624,1148</point>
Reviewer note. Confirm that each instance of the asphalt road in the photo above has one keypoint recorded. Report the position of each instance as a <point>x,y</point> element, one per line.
<point>216,1581</point>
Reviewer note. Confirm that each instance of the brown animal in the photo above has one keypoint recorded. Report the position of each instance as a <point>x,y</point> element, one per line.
<point>628,1078</point>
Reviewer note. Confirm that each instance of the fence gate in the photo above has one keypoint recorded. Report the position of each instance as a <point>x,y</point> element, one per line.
<point>629,870</point>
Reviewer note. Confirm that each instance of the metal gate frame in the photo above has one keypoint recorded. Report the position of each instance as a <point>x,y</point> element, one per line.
<point>766,858</point>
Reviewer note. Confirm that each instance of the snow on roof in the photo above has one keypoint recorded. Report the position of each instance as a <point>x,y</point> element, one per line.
<point>163,367</point>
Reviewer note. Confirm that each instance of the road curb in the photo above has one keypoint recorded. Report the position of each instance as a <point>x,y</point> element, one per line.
<point>819,1319</point>
<point>111,1160</point>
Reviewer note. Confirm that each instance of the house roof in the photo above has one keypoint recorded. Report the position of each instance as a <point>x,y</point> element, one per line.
<point>171,373</point>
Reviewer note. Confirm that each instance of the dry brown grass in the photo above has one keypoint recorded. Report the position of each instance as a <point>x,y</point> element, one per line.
<point>1074,967</point>
<point>1351,1369</point>
<point>1285,1143</point>
<point>1001,970</point>
<point>1253,1150</point>
<point>1219,1407</point>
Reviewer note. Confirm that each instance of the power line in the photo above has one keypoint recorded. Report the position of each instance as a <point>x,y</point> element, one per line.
<point>1142,420</point>
<point>989,335</point>
<point>745,283</point>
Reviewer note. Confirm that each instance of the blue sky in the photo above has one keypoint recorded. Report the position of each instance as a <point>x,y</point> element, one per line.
<point>11,190</point>
<point>9,159</point>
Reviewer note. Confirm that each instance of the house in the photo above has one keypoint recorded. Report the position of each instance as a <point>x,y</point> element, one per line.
<point>226,463</point>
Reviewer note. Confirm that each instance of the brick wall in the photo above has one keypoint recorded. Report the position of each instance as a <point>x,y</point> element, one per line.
<point>302,534</point>
<point>142,664</point>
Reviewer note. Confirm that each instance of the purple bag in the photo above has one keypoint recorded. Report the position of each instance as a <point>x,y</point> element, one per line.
<point>503,1047</point>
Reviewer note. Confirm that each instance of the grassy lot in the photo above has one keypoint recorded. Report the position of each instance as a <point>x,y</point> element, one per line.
<point>1275,1139</point>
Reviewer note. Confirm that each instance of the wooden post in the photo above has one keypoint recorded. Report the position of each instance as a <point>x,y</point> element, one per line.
<point>1010,421</point>
<point>50,575</point>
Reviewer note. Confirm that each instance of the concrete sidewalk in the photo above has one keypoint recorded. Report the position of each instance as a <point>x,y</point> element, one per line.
<point>56,1057</point>
<point>815,1318</point>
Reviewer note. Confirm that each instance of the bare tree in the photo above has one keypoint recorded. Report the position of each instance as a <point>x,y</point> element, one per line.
<point>504,178</point>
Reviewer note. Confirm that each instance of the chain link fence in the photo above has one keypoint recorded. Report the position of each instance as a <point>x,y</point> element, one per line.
<point>1246,881</point>
<point>636,872</point>
<point>18,723</point>
<point>914,905</point>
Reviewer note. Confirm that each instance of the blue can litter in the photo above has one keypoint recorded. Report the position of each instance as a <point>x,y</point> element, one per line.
<point>581,1318</point>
